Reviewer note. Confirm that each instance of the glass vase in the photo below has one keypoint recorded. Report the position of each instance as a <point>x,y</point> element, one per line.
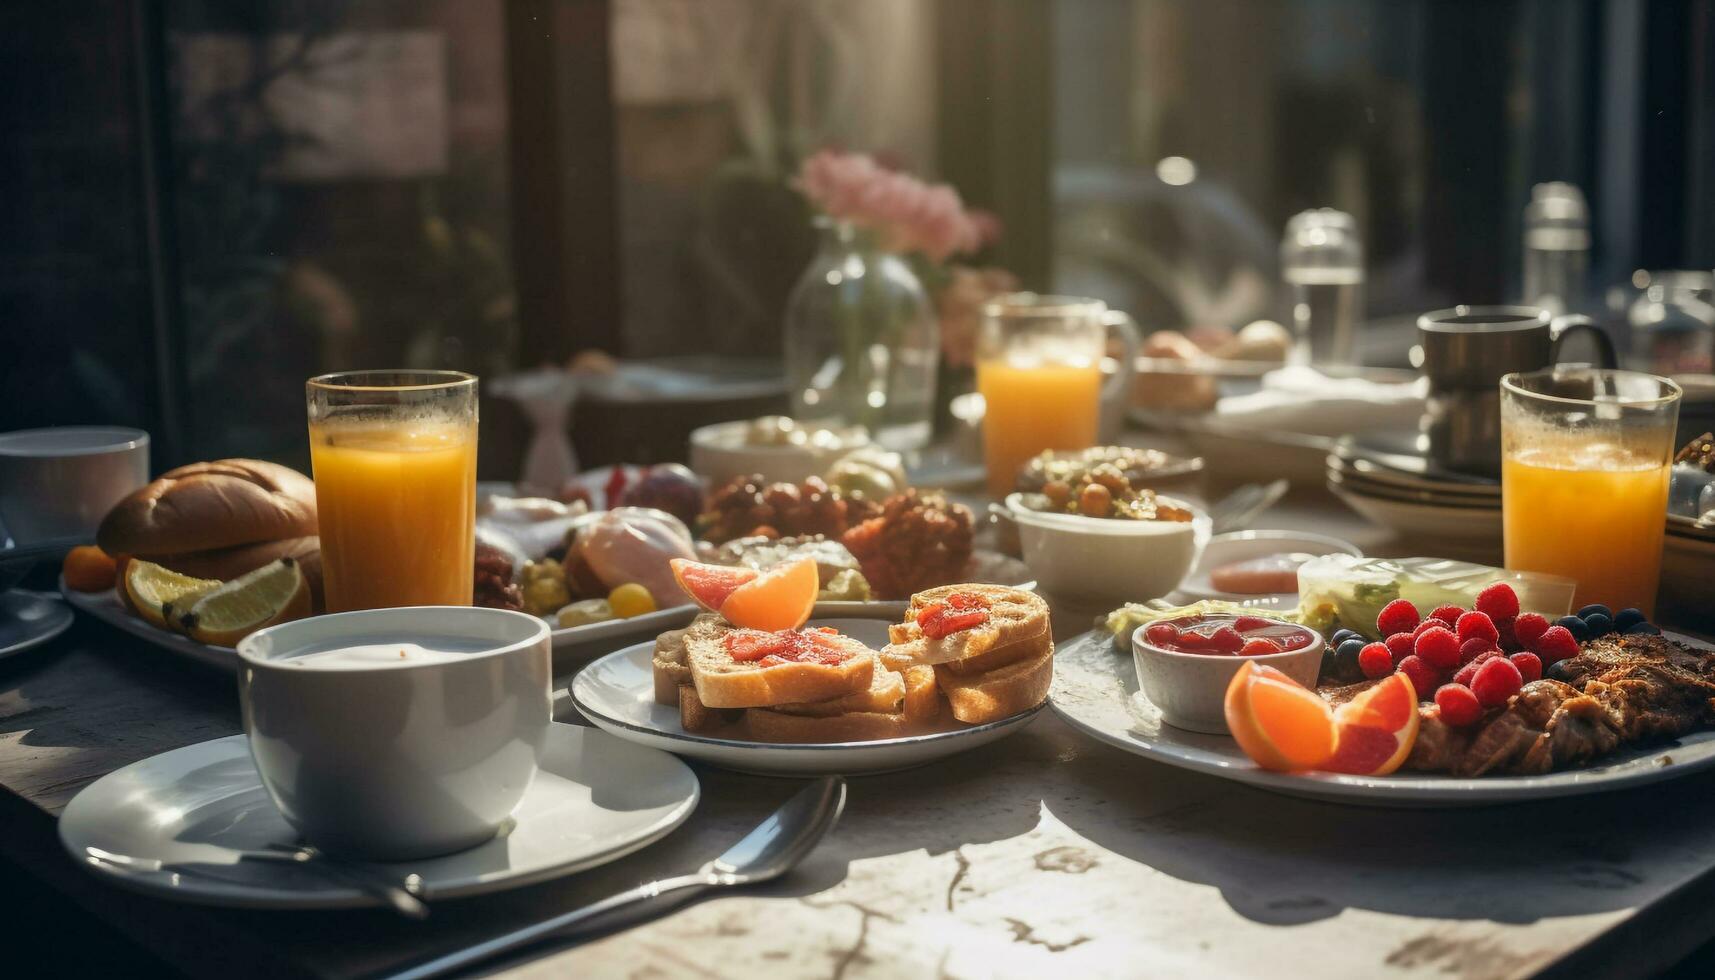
<point>862,343</point>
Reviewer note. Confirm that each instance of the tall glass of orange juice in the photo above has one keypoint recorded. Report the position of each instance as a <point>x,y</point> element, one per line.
<point>1585,458</point>
<point>1039,370</point>
<point>394,454</point>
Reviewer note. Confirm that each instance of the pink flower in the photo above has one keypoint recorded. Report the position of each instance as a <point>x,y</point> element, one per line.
<point>905,213</point>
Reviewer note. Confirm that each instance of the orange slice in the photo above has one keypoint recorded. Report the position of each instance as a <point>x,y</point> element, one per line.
<point>1374,732</point>
<point>780,598</point>
<point>709,586</point>
<point>1280,724</point>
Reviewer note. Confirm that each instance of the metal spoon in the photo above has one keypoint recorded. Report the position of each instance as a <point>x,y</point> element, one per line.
<point>398,895</point>
<point>766,853</point>
<point>1236,509</point>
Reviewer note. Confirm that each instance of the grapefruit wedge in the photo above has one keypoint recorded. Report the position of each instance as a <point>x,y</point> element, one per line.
<point>710,585</point>
<point>1280,724</point>
<point>1374,732</point>
<point>780,598</point>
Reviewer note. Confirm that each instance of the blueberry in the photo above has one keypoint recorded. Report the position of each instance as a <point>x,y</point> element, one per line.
<point>1641,628</point>
<point>1625,619</point>
<point>1576,627</point>
<point>1341,636</point>
<point>1350,647</point>
<point>1598,624</point>
<point>1557,671</point>
<point>1595,609</point>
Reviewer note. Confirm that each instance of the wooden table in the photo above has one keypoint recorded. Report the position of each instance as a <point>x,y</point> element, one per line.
<point>1043,854</point>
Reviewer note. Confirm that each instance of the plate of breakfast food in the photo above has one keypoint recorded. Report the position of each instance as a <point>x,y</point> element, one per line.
<point>1435,690</point>
<point>755,684</point>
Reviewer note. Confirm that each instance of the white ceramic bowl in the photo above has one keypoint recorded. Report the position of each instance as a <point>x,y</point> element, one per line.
<point>399,761</point>
<point>1236,546</point>
<point>1190,689</point>
<point>1087,560</point>
<point>719,453</point>
<point>60,482</point>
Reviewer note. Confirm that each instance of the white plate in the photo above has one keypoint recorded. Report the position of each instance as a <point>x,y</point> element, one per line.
<point>617,694</point>
<point>1424,520</point>
<point>28,620</point>
<point>1095,690</point>
<point>106,607</point>
<point>1224,549</point>
<point>596,799</point>
<point>1362,471</point>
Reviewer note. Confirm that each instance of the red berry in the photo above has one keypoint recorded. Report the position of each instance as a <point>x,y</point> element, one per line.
<point>1476,625</point>
<point>1508,641</point>
<point>1496,681</point>
<point>1555,644</point>
<point>1499,601</point>
<point>1161,634</point>
<point>1375,661</point>
<point>1438,647</point>
<point>1228,639</point>
<point>1261,646</point>
<point>1398,616</point>
<point>1245,624</point>
<point>1459,707</point>
<point>1466,674</point>
<point>1448,615</point>
<point>1473,648</point>
<point>1400,645</point>
<point>1528,627</point>
<point>1424,678</point>
<point>1529,666</point>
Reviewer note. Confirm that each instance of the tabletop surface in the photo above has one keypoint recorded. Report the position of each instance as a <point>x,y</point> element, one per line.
<point>1046,852</point>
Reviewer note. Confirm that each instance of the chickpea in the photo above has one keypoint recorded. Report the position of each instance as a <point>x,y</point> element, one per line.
<point>1058,492</point>
<point>1094,500</point>
<point>1110,477</point>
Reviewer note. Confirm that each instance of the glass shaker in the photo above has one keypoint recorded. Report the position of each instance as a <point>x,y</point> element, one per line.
<point>1556,247</point>
<point>1322,263</point>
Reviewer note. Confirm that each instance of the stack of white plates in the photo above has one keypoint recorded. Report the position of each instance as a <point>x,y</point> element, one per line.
<point>1391,481</point>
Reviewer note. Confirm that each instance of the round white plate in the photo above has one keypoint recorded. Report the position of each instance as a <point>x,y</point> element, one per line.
<point>1095,690</point>
<point>596,799</point>
<point>617,694</point>
<point>28,620</point>
<point>1363,471</point>
<point>1224,549</point>
<point>1424,520</point>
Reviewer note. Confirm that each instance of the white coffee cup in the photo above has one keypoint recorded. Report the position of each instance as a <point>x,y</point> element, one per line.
<point>60,482</point>
<point>373,758</point>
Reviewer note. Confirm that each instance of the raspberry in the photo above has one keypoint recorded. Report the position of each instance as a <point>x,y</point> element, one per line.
<point>1467,673</point>
<point>1399,645</point>
<point>1528,627</point>
<point>1498,600</point>
<point>1161,634</point>
<point>1496,681</point>
<point>1472,649</point>
<point>1555,644</point>
<point>1448,615</point>
<point>1228,639</point>
<point>1529,666</point>
<point>1439,648</point>
<point>1459,707</point>
<point>1477,625</point>
<point>1375,661</point>
<point>1246,624</point>
<point>1424,678</point>
<point>1398,616</point>
<point>1430,623</point>
<point>1259,647</point>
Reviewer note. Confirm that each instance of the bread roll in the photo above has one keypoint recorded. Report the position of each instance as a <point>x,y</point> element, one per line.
<point>211,506</point>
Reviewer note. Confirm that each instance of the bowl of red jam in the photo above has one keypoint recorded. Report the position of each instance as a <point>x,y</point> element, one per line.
<point>1184,665</point>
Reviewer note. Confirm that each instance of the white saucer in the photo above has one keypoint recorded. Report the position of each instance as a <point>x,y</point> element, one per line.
<point>28,620</point>
<point>1424,520</point>
<point>596,799</point>
<point>1224,549</point>
<point>617,694</point>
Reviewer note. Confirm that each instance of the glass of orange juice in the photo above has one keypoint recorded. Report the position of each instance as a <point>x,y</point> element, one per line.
<point>1585,459</point>
<point>1039,370</point>
<point>394,454</point>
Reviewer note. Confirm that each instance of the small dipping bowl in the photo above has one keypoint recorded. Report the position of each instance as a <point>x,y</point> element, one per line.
<point>386,761</point>
<point>1108,560</point>
<point>1190,689</point>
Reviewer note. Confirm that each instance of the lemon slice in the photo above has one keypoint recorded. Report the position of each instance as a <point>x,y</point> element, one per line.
<point>271,594</point>
<point>152,589</point>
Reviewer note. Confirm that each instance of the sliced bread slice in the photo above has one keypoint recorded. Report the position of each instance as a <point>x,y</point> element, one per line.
<point>1012,615</point>
<point>999,657</point>
<point>823,666</point>
<point>768,725</point>
<point>695,716</point>
<point>885,692</point>
<point>669,667</point>
<point>922,694</point>
<point>977,699</point>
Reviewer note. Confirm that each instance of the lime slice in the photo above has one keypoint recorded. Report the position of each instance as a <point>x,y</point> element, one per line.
<point>271,594</point>
<point>152,588</point>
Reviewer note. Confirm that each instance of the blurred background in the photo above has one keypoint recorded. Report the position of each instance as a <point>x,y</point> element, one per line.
<point>208,202</point>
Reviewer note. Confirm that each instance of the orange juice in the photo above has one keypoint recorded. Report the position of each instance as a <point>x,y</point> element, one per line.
<point>397,510</point>
<point>1595,514</point>
<point>1031,408</point>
